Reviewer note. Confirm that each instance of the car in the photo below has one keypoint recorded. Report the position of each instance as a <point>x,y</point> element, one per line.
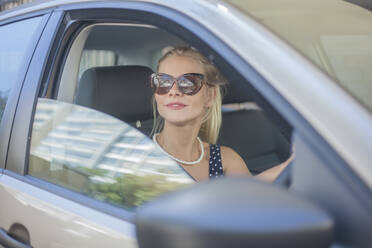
<point>77,166</point>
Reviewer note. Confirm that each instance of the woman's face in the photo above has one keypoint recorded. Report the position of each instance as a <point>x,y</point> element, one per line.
<point>176,107</point>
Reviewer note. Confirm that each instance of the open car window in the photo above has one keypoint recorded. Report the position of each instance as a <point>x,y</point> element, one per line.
<point>114,64</point>
<point>93,137</point>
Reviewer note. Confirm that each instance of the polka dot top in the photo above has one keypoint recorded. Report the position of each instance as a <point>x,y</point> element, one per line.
<point>215,164</point>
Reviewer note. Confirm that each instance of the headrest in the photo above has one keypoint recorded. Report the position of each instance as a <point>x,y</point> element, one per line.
<point>234,94</point>
<point>121,91</point>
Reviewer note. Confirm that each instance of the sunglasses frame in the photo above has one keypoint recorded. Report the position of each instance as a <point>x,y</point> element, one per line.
<point>177,80</point>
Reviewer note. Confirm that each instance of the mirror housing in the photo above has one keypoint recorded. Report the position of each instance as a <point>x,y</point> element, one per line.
<point>233,212</point>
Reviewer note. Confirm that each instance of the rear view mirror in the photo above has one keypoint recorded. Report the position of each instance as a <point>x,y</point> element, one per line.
<point>233,212</point>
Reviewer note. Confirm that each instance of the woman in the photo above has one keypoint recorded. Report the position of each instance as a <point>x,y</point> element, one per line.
<point>187,111</point>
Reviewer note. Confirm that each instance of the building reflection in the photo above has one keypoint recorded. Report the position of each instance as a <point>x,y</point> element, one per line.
<point>96,147</point>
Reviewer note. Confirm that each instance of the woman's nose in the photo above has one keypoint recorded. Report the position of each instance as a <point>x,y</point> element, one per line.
<point>174,90</point>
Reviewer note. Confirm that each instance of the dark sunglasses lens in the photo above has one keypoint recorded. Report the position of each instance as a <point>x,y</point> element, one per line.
<point>162,84</point>
<point>190,84</point>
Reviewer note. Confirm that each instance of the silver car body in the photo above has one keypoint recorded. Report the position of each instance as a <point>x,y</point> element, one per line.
<point>304,86</point>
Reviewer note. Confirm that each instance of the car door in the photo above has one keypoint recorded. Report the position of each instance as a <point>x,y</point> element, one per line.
<point>56,198</point>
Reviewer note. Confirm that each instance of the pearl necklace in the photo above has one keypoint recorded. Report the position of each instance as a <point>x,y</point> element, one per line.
<point>179,160</point>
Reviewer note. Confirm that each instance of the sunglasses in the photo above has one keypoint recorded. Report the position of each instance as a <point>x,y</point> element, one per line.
<point>189,83</point>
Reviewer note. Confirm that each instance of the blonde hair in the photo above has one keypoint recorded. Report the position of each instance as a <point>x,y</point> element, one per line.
<point>211,122</point>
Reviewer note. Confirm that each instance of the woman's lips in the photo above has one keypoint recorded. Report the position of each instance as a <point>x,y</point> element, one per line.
<point>175,105</point>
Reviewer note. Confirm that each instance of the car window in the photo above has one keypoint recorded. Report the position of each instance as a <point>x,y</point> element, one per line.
<point>13,47</point>
<point>93,138</point>
<point>335,35</point>
<point>114,89</point>
<point>97,155</point>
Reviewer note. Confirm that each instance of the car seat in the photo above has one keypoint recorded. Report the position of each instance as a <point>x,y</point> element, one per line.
<point>121,91</point>
<point>247,130</point>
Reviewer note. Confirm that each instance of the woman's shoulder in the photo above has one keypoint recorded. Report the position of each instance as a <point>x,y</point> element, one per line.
<point>229,153</point>
<point>223,150</point>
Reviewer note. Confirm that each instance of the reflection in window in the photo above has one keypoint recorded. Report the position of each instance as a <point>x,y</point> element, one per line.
<point>99,156</point>
<point>13,48</point>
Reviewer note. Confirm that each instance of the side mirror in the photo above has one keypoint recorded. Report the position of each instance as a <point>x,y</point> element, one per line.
<point>233,212</point>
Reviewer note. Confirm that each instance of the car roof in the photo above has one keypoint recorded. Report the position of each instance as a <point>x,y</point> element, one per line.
<point>49,4</point>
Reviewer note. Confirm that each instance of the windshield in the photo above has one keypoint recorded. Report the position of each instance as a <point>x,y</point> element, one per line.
<point>333,34</point>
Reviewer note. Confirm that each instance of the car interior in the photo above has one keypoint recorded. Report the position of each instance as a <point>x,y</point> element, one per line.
<point>110,65</point>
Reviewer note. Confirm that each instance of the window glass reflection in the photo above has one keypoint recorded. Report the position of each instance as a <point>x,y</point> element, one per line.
<point>99,156</point>
<point>13,48</point>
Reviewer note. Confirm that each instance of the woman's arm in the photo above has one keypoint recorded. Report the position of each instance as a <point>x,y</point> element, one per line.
<point>232,163</point>
<point>271,174</point>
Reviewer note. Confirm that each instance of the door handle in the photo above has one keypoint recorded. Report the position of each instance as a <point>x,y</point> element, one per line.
<point>8,241</point>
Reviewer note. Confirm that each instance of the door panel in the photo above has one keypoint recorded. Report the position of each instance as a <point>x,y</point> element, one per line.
<point>53,221</point>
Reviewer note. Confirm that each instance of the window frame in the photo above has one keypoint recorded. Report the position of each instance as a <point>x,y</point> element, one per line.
<point>318,172</point>
<point>8,116</point>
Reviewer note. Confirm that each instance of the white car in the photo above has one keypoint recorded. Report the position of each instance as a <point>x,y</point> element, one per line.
<point>77,168</point>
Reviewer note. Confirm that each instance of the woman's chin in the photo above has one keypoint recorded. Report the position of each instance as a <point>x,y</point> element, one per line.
<point>182,120</point>
<point>179,122</point>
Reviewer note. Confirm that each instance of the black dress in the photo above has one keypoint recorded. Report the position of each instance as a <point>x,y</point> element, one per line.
<point>215,163</point>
